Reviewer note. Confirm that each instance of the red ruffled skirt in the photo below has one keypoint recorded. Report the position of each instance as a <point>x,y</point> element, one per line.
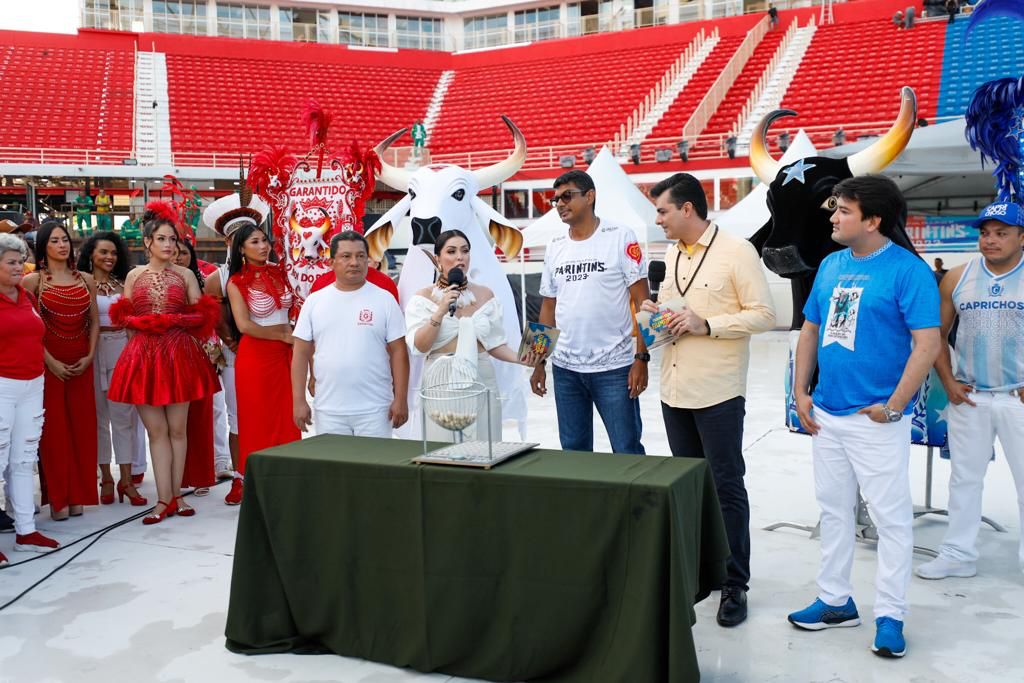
<point>264,394</point>
<point>161,369</point>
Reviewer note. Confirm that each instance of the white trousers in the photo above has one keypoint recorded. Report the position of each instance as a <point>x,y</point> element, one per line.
<point>21,424</point>
<point>368,424</point>
<point>118,429</point>
<point>225,417</point>
<point>972,432</point>
<point>851,451</point>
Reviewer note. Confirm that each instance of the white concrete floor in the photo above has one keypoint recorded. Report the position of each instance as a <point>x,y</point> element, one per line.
<point>149,603</point>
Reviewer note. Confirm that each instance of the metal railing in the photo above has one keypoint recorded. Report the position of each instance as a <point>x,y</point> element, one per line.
<point>716,93</point>
<point>651,99</point>
<point>766,76</point>
<point>63,155</point>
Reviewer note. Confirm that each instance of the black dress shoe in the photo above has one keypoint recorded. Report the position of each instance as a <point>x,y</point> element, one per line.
<point>733,608</point>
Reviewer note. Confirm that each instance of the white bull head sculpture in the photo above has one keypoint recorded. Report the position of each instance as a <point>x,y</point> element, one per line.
<point>444,197</point>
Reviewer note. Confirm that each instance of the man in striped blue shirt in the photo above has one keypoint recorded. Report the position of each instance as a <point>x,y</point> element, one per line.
<point>986,386</point>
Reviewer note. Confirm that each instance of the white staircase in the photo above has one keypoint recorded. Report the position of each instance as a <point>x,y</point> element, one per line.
<point>434,108</point>
<point>152,113</point>
<point>778,83</point>
<point>669,95</point>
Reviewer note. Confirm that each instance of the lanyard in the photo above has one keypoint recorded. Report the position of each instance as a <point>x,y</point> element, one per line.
<point>682,292</point>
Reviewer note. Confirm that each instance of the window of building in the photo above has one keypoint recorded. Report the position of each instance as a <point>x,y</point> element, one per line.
<point>516,206</point>
<point>541,23</point>
<point>488,31</point>
<point>243,21</point>
<point>419,33</point>
<point>363,29</point>
<point>115,15</point>
<point>305,25</point>
<point>180,16</point>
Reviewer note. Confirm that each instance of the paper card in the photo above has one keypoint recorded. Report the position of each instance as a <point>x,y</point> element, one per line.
<point>654,326</point>
<point>538,339</point>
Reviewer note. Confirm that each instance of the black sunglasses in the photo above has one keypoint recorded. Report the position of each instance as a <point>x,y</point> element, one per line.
<point>565,197</point>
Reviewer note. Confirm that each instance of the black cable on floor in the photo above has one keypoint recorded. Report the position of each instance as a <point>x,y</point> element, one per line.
<point>99,533</point>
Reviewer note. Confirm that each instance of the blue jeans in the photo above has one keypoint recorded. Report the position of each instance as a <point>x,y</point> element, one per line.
<point>576,394</point>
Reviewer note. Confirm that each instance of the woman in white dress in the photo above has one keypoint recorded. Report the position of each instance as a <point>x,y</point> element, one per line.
<point>105,256</point>
<point>476,326</point>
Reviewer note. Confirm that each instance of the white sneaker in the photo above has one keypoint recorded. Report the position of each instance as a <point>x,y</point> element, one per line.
<point>943,567</point>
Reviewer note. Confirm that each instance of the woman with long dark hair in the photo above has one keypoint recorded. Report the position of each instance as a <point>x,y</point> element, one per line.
<point>164,368</point>
<point>67,304</point>
<point>119,429</point>
<point>260,301</point>
<point>199,470</point>
<point>432,333</point>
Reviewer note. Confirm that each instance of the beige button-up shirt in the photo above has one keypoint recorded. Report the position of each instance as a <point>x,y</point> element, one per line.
<point>731,292</point>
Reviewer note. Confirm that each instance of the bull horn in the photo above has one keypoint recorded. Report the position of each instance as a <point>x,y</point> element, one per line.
<point>761,160</point>
<point>503,170</point>
<point>392,175</point>
<point>884,151</point>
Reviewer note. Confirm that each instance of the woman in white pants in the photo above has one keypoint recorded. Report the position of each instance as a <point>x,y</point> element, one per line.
<point>21,395</point>
<point>118,426</point>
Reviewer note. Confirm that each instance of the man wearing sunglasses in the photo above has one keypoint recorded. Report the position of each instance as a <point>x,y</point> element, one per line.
<point>591,275</point>
<point>704,370</point>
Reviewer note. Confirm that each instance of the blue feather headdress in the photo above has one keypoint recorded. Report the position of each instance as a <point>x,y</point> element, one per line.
<point>995,127</point>
<point>995,115</point>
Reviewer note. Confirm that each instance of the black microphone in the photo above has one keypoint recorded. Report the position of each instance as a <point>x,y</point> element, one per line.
<point>656,275</point>
<point>458,278</point>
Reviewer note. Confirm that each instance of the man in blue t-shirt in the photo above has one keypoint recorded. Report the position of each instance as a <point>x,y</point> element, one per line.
<point>872,329</point>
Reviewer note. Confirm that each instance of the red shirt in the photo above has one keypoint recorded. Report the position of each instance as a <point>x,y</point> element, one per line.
<point>205,267</point>
<point>23,337</point>
<point>373,276</point>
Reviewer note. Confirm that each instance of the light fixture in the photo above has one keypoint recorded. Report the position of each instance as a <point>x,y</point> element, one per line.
<point>784,141</point>
<point>684,150</point>
<point>588,155</point>
<point>567,161</point>
<point>634,153</point>
<point>662,155</point>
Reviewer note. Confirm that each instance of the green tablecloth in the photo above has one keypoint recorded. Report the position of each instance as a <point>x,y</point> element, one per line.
<point>553,566</point>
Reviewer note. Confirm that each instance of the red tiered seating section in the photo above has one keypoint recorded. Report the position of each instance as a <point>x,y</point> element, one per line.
<point>588,97</point>
<point>671,124</point>
<point>229,104</point>
<point>848,79</point>
<point>65,92</point>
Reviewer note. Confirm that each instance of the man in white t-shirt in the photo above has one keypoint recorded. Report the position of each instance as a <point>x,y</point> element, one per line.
<point>591,276</point>
<point>355,334</point>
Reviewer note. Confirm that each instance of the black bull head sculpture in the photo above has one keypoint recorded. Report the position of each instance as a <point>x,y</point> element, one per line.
<point>798,236</point>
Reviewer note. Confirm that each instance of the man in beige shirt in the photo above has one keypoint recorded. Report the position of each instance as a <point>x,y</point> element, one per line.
<point>704,370</point>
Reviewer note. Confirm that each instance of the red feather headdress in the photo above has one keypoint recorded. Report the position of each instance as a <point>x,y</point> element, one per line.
<point>273,162</point>
<point>316,121</point>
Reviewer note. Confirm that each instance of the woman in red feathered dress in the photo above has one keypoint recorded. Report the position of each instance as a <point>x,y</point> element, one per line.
<point>163,367</point>
<point>260,303</point>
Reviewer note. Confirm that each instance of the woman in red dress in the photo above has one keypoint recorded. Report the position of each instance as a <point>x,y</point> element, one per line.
<point>163,367</point>
<point>260,303</point>
<point>67,305</point>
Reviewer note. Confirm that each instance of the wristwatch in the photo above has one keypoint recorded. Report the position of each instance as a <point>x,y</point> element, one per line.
<point>890,414</point>
<point>645,357</point>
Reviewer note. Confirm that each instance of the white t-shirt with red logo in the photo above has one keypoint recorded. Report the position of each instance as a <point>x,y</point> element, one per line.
<point>590,280</point>
<point>351,331</point>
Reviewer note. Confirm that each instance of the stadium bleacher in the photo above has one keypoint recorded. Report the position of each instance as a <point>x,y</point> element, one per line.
<point>231,96</point>
<point>995,51</point>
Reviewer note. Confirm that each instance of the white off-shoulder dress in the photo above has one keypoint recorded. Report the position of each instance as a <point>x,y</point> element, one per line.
<point>486,327</point>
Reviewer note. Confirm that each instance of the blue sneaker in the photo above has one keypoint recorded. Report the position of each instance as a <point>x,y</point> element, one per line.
<point>820,616</point>
<point>889,641</point>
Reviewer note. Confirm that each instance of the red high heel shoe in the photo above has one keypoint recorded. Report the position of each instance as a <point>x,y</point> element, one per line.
<point>157,517</point>
<point>187,511</point>
<point>107,492</point>
<point>122,490</point>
